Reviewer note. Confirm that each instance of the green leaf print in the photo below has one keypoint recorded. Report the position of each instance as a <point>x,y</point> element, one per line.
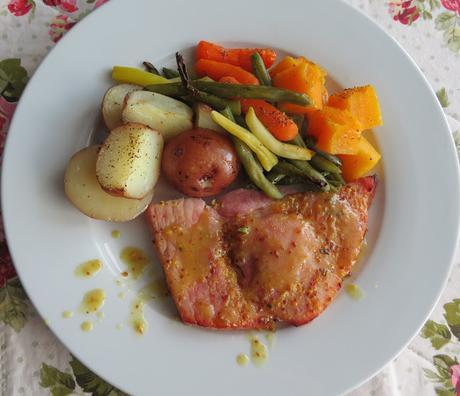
<point>60,390</point>
<point>91,383</point>
<point>432,376</point>
<point>444,20</point>
<point>445,392</point>
<point>13,78</point>
<point>456,135</point>
<point>442,97</point>
<point>449,23</point>
<point>452,37</point>
<point>13,305</point>
<point>59,383</point>
<point>438,334</point>
<point>425,7</point>
<point>50,376</point>
<point>443,363</point>
<point>452,316</point>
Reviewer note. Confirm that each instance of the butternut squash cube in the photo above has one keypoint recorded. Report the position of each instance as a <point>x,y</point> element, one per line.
<point>359,164</point>
<point>302,76</point>
<point>362,102</point>
<point>337,131</point>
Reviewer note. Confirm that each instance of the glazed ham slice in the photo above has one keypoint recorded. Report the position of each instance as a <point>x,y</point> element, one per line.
<point>249,261</point>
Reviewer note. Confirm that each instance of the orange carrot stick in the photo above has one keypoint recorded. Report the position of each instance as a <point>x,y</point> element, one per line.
<point>234,56</point>
<point>277,122</point>
<point>217,70</point>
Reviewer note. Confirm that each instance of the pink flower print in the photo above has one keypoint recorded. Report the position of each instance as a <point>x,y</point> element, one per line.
<point>7,270</point>
<point>63,5</point>
<point>58,26</point>
<point>20,7</point>
<point>403,11</point>
<point>451,5</point>
<point>456,378</point>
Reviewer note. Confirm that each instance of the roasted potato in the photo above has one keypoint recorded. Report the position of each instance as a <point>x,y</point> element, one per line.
<point>168,116</point>
<point>112,104</point>
<point>83,190</point>
<point>128,164</point>
<point>200,162</point>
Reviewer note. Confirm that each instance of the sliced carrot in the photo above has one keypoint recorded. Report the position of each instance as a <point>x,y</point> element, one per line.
<point>277,122</point>
<point>217,70</point>
<point>363,104</point>
<point>234,56</point>
<point>337,131</point>
<point>302,76</point>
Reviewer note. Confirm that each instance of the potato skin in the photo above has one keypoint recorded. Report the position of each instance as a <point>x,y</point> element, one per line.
<point>200,162</point>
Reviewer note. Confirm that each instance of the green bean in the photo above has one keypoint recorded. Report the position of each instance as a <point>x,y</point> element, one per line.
<point>324,165</point>
<point>177,90</point>
<point>170,73</point>
<point>270,94</point>
<point>241,121</point>
<point>298,141</point>
<point>251,165</point>
<point>336,180</point>
<point>229,91</point>
<point>275,177</point>
<point>306,171</point>
<point>216,102</point>
<point>254,170</point>
<point>309,141</point>
<point>260,70</point>
<point>150,68</point>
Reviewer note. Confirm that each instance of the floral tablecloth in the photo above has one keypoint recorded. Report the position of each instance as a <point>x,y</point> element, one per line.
<point>32,360</point>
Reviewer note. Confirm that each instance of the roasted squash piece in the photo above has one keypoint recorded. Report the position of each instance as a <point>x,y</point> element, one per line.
<point>359,164</point>
<point>362,102</point>
<point>304,77</point>
<point>337,131</point>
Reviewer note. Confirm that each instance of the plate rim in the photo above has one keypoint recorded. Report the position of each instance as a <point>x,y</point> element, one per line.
<point>455,190</point>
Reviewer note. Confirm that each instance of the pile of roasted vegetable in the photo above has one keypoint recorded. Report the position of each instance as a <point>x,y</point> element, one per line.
<point>236,107</point>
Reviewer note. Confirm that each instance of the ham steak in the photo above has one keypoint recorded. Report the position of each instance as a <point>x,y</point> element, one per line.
<point>248,262</point>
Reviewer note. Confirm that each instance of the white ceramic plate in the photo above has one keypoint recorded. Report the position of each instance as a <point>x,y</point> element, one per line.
<point>414,220</point>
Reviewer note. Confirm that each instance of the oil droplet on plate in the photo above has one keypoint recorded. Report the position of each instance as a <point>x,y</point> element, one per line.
<point>259,352</point>
<point>88,268</point>
<point>354,291</point>
<point>100,315</point>
<point>242,359</point>
<point>135,259</point>
<point>115,234</point>
<point>67,314</point>
<point>93,301</point>
<point>86,326</point>
<point>119,326</point>
<point>47,321</point>
<point>121,295</point>
<point>138,321</point>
